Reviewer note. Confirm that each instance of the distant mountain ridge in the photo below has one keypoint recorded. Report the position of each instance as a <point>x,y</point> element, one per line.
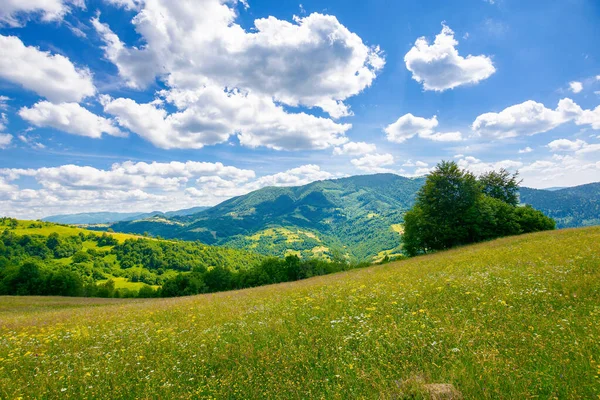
<point>107,217</point>
<point>570,207</point>
<point>357,217</point>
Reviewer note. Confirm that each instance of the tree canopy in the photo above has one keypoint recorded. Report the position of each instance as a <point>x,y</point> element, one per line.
<point>454,207</point>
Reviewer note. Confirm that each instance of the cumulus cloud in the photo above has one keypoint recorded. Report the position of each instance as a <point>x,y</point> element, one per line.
<point>15,13</point>
<point>136,186</point>
<point>439,67</point>
<point>478,166</point>
<point>5,140</point>
<point>525,150</point>
<point>312,61</point>
<point>530,118</point>
<point>408,126</point>
<point>374,163</point>
<point>50,75</point>
<point>210,115</point>
<point>355,149</point>
<point>579,146</point>
<point>575,86</point>
<point>561,170</point>
<point>566,145</point>
<point>69,117</point>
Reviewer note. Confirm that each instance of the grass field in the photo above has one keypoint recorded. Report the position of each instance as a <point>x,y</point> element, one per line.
<point>515,318</point>
<point>46,228</point>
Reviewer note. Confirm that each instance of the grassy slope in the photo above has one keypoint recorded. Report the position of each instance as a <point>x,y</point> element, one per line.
<point>513,318</point>
<point>33,228</point>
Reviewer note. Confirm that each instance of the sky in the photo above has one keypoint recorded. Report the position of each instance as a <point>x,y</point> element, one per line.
<point>143,105</point>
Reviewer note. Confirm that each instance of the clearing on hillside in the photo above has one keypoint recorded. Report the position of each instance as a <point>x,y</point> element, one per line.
<point>514,318</point>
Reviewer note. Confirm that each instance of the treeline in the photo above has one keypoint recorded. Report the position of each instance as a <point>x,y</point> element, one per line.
<point>32,279</point>
<point>271,270</point>
<point>455,208</point>
<point>73,265</point>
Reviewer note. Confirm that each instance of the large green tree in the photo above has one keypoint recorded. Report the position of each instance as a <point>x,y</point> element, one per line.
<point>439,217</point>
<point>455,208</point>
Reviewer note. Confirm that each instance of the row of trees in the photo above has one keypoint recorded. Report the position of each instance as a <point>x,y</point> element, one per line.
<point>454,207</point>
<point>31,279</point>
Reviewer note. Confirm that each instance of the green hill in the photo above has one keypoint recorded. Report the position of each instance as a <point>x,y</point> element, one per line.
<point>357,217</point>
<point>354,217</point>
<point>130,261</point>
<point>570,207</point>
<point>515,318</point>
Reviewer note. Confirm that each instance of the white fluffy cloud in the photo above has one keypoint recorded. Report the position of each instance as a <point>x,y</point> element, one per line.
<point>211,115</point>
<point>69,117</point>
<point>313,61</point>
<point>439,66</point>
<point>525,150</point>
<point>566,145</point>
<point>374,163</point>
<point>355,149</point>
<point>136,186</point>
<point>5,140</point>
<point>50,75</point>
<point>477,166</point>
<point>575,86</point>
<point>530,118</point>
<point>579,146</point>
<point>561,170</point>
<point>15,12</point>
<point>408,126</point>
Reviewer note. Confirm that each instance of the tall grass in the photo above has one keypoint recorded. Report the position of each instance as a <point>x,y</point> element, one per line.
<point>515,318</point>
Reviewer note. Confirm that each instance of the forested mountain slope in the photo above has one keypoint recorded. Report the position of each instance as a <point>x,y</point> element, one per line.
<point>356,217</point>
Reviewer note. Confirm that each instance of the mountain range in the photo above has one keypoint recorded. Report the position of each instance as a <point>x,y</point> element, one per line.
<point>107,217</point>
<point>357,217</point>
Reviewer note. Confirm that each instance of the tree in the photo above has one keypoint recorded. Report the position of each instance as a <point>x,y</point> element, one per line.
<point>501,185</point>
<point>438,219</point>
<point>453,208</point>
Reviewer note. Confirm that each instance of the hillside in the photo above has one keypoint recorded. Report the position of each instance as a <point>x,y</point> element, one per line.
<point>570,207</point>
<point>130,261</point>
<point>514,318</point>
<point>356,217</point>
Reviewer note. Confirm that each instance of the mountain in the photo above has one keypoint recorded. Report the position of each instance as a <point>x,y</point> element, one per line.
<point>357,217</point>
<point>95,218</point>
<point>570,207</point>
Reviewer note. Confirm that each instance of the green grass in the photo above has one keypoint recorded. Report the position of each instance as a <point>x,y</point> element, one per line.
<point>46,228</point>
<point>515,318</point>
<point>123,283</point>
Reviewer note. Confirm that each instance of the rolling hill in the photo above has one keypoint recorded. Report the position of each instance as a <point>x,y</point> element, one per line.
<point>570,207</point>
<point>515,318</point>
<point>358,217</point>
<point>130,261</point>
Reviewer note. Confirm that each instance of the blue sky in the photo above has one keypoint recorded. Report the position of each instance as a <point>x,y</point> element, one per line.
<point>141,105</point>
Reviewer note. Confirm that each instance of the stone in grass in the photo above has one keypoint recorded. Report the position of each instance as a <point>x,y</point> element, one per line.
<point>442,391</point>
<point>416,387</point>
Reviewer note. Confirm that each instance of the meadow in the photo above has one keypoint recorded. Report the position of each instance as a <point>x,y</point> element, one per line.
<point>513,318</point>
